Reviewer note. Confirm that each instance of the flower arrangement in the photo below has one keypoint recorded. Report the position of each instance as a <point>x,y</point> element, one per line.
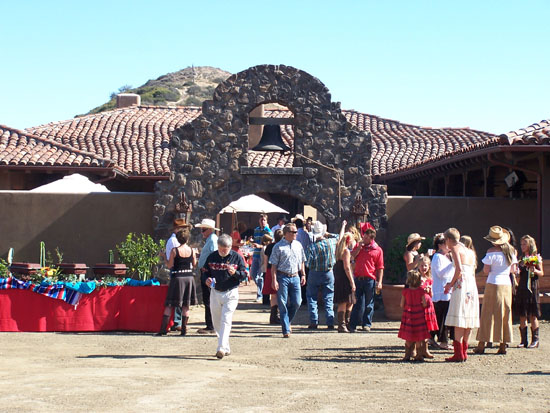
<point>531,262</point>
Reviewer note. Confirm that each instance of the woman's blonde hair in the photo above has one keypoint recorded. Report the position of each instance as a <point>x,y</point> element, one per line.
<point>508,252</point>
<point>343,244</point>
<point>354,231</point>
<point>532,244</point>
<point>468,243</point>
<point>414,279</point>
<point>425,259</point>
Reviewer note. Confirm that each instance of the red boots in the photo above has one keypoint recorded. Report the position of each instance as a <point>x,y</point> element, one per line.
<point>459,352</point>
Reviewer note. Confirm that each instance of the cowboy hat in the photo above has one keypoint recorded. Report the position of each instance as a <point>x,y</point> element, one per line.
<point>413,238</point>
<point>207,223</point>
<point>318,229</point>
<point>497,235</point>
<point>180,223</point>
<point>298,216</point>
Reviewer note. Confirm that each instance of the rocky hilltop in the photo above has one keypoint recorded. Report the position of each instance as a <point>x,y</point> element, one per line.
<point>187,87</point>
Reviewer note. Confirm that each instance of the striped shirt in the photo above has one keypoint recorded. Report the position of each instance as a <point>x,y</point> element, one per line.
<point>321,255</point>
<point>258,234</point>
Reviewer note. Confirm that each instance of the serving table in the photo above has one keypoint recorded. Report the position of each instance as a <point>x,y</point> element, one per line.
<point>120,308</point>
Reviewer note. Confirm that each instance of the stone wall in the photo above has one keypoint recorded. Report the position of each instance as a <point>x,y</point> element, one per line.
<point>210,154</point>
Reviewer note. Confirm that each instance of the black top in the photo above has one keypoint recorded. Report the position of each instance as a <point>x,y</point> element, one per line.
<point>183,266</point>
<point>268,251</point>
<point>216,267</point>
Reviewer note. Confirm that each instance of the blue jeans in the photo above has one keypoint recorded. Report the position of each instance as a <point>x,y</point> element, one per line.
<point>289,298</point>
<point>325,281</point>
<point>256,274</point>
<point>364,307</point>
<point>177,317</point>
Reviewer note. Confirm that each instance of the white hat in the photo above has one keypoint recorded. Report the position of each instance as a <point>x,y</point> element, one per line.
<point>318,229</point>
<point>298,216</point>
<point>207,223</point>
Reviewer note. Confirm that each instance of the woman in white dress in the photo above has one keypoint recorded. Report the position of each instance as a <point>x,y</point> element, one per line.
<point>496,312</point>
<point>463,312</point>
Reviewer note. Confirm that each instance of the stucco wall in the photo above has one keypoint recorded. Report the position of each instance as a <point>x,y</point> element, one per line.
<point>471,216</point>
<point>83,226</point>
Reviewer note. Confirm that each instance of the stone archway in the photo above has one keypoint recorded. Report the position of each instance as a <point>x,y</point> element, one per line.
<point>210,154</point>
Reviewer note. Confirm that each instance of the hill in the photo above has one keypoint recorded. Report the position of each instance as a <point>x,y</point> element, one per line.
<point>187,87</point>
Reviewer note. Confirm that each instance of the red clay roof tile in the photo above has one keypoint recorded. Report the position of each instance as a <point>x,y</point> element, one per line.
<point>24,149</point>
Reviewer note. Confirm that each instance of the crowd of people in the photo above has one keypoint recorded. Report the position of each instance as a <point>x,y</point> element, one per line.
<point>300,261</point>
<point>442,297</point>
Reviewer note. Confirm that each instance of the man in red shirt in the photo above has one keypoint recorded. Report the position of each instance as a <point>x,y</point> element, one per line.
<point>368,274</point>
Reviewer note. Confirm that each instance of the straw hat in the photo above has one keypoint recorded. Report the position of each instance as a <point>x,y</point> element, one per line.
<point>497,235</point>
<point>318,229</point>
<point>298,216</point>
<point>413,238</point>
<point>207,223</point>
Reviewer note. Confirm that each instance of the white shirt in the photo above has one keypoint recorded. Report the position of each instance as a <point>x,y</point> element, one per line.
<point>500,269</point>
<point>443,271</point>
<point>171,244</point>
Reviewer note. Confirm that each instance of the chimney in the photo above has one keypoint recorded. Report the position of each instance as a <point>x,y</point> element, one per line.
<point>124,100</point>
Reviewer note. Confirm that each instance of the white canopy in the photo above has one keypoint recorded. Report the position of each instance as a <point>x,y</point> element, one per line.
<point>252,203</point>
<point>71,184</point>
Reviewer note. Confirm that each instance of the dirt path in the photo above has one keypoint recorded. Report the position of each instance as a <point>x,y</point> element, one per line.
<point>320,371</point>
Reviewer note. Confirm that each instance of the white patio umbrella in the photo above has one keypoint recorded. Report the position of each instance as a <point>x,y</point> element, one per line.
<point>252,203</point>
<point>71,184</point>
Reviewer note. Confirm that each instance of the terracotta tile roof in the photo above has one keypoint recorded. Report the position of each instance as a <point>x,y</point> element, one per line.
<point>536,134</point>
<point>136,138</point>
<point>19,148</point>
<point>397,146</point>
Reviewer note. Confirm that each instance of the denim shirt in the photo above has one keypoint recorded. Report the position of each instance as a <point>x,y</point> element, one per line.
<point>287,257</point>
<point>210,246</point>
<point>305,238</point>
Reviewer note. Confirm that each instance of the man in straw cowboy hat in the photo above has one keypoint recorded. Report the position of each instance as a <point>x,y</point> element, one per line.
<point>179,223</point>
<point>208,228</point>
<point>321,257</point>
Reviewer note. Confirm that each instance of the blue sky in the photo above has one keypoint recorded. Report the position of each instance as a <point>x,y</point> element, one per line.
<point>482,64</point>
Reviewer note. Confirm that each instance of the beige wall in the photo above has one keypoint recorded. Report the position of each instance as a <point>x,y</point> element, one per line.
<point>83,226</point>
<point>86,226</point>
<point>471,216</point>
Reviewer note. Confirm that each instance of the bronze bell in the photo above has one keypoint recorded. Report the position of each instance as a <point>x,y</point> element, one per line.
<point>271,140</point>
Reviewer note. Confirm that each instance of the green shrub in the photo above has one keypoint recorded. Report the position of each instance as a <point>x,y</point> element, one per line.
<point>394,266</point>
<point>3,268</point>
<point>140,253</point>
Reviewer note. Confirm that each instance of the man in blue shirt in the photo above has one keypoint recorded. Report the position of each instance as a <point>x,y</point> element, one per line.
<point>208,228</point>
<point>255,270</point>
<point>287,266</point>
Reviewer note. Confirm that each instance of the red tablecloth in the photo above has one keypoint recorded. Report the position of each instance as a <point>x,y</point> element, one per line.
<point>105,309</point>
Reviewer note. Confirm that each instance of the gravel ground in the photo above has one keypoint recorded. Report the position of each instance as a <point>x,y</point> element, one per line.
<point>313,371</point>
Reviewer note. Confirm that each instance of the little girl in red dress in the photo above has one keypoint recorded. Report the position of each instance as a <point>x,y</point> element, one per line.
<point>413,321</point>
<point>424,267</point>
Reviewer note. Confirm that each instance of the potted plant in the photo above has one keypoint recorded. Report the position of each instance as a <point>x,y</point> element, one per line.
<point>140,253</point>
<point>395,273</point>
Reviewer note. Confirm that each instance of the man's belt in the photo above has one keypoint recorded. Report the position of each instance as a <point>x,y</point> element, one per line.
<point>286,274</point>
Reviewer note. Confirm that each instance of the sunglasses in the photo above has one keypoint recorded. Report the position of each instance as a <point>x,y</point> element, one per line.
<point>293,232</point>
<point>204,229</point>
